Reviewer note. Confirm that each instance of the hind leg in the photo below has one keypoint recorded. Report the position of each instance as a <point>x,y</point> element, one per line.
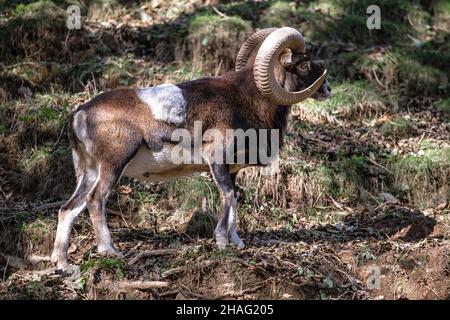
<point>96,200</point>
<point>86,177</point>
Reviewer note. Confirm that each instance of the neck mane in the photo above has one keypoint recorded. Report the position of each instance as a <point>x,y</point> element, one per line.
<point>267,115</point>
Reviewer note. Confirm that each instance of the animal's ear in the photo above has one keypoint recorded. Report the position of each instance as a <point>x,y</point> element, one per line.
<point>286,57</point>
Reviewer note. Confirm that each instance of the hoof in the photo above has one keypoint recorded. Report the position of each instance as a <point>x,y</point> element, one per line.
<point>221,241</point>
<point>65,268</point>
<point>68,269</point>
<point>109,251</point>
<point>234,238</point>
<point>60,261</point>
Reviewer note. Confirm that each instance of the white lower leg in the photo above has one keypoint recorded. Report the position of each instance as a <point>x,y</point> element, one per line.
<point>104,242</point>
<point>65,222</point>
<point>232,232</point>
<point>221,236</point>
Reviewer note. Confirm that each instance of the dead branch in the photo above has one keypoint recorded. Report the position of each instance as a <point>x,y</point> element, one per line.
<point>125,285</point>
<point>35,259</point>
<point>172,271</point>
<point>51,205</point>
<point>242,292</point>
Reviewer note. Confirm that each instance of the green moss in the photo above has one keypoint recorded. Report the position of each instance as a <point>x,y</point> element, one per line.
<point>333,8</point>
<point>47,116</point>
<point>188,193</point>
<point>423,178</point>
<point>279,14</point>
<point>38,232</point>
<point>444,105</point>
<point>353,28</point>
<point>419,19</point>
<point>213,21</point>
<point>349,99</point>
<point>399,71</point>
<point>441,18</point>
<point>394,25</point>
<point>351,179</point>
<point>247,10</point>
<point>428,55</point>
<point>397,128</point>
<point>114,264</point>
<point>33,159</point>
<point>313,26</point>
<point>390,10</point>
<point>38,28</point>
<point>214,40</point>
<point>182,73</point>
<point>418,79</point>
<point>22,9</point>
<point>441,6</point>
<point>40,227</point>
<point>41,163</point>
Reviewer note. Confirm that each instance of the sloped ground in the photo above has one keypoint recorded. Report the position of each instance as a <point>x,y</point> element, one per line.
<point>359,208</point>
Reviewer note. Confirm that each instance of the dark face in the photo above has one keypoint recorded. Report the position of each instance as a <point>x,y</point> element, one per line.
<point>303,72</point>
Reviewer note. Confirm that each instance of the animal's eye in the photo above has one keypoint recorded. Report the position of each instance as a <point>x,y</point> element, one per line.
<point>304,66</point>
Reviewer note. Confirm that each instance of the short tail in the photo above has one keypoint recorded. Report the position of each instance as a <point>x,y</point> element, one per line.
<point>73,139</point>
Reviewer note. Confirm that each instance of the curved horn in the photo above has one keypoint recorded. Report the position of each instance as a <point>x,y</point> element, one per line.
<point>266,59</point>
<point>249,46</point>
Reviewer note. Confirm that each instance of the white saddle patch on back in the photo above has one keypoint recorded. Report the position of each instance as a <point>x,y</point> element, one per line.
<point>166,102</point>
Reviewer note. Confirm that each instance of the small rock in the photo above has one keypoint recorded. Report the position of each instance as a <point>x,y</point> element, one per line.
<point>442,206</point>
<point>124,190</point>
<point>105,24</point>
<point>286,296</point>
<point>339,226</point>
<point>72,248</point>
<point>25,91</point>
<point>388,198</point>
<point>126,18</point>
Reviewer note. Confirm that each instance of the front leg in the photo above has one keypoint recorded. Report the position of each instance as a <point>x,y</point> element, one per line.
<point>225,231</point>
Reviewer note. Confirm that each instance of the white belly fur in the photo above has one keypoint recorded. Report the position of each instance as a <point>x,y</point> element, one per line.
<point>147,162</point>
<point>157,165</point>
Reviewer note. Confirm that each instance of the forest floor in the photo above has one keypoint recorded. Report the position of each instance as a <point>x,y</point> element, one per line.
<point>359,208</point>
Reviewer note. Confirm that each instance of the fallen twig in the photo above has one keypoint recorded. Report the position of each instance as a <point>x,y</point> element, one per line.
<point>132,285</point>
<point>35,259</point>
<point>172,271</point>
<point>379,165</point>
<point>51,205</point>
<point>223,15</point>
